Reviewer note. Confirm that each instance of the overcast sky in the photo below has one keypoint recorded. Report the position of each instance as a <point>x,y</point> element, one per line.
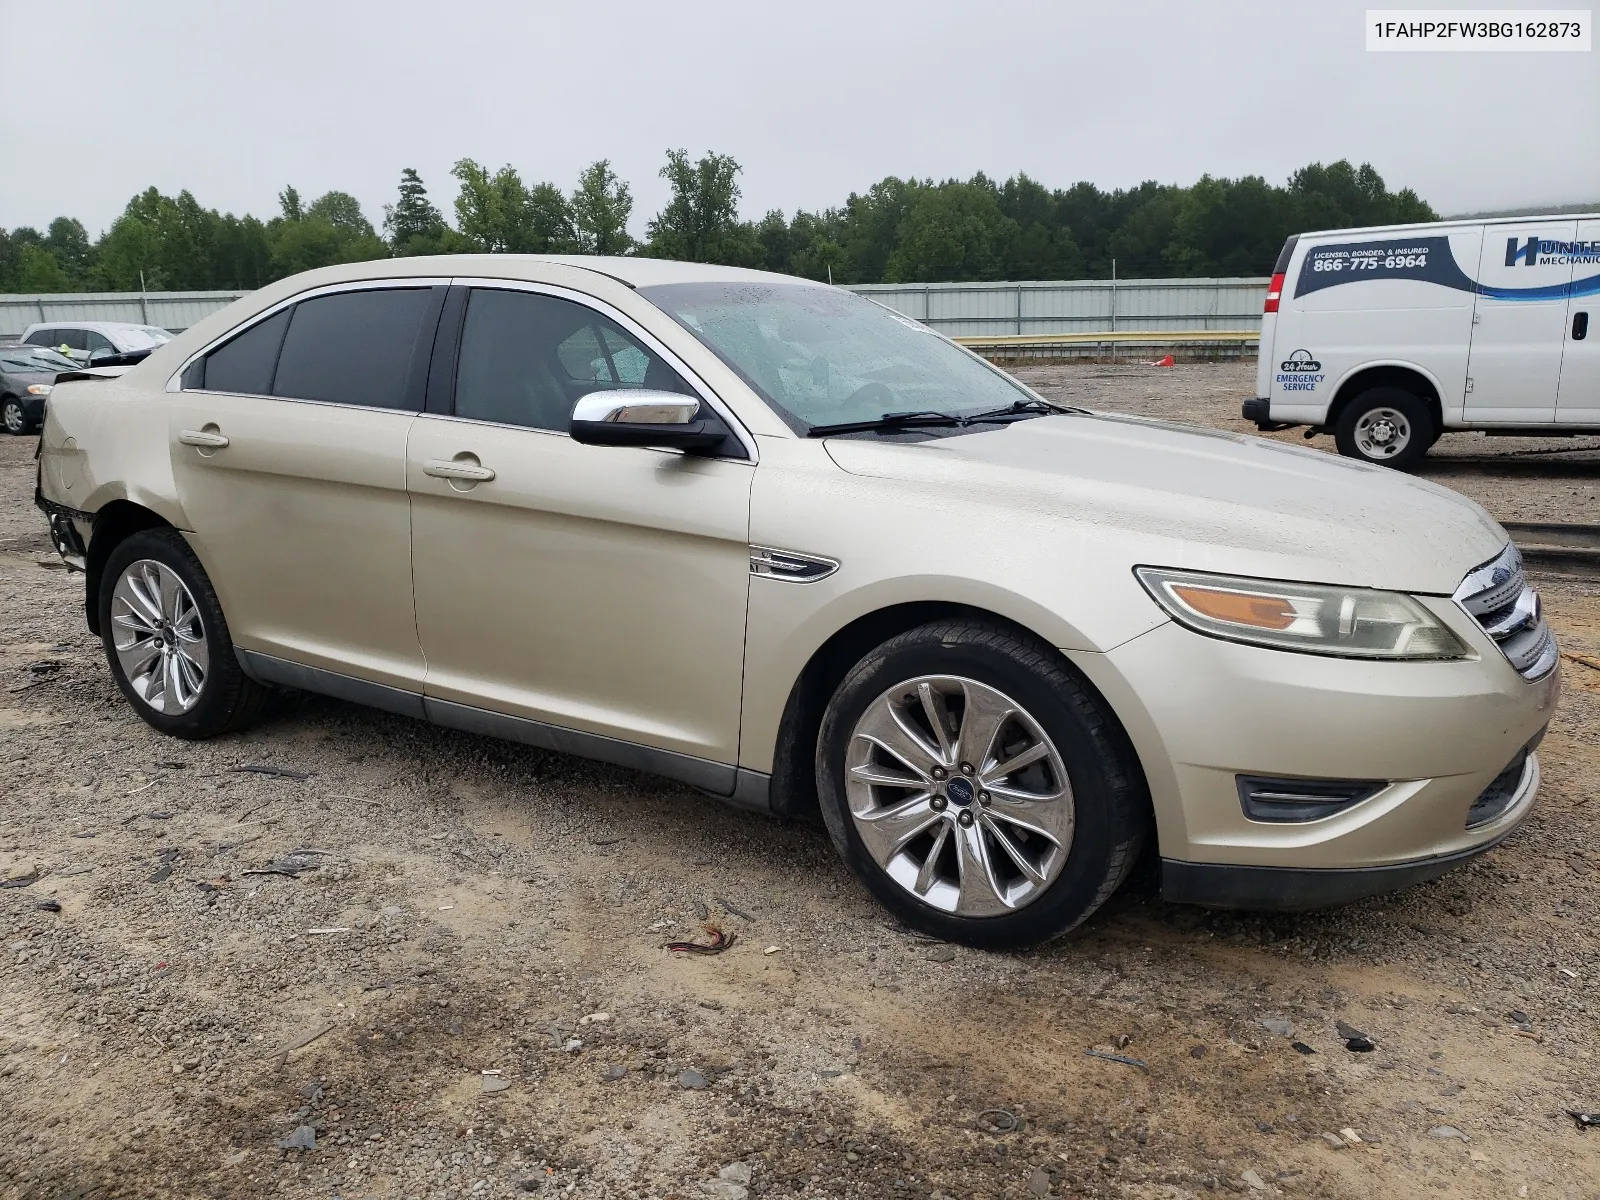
<point>815,99</point>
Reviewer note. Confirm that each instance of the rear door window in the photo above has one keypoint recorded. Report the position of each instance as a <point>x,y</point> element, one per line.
<point>353,348</point>
<point>42,337</point>
<point>75,339</point>
<point>244,364</point>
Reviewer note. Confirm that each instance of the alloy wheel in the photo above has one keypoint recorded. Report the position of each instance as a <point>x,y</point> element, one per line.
<point>959,795</point>
<point>159,638</point>
<point>16,422</point>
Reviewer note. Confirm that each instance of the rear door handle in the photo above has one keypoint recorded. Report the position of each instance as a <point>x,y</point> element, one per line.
<point>201,437</point>
<point>1580,326</point>
<point>444,468</point>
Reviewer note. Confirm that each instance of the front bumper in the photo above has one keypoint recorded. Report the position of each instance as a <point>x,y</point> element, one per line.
<point>1201,712</point>
<point>1291,889</point>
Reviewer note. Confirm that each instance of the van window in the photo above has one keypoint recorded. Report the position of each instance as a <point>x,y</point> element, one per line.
<point>352,347</point>
<point>526,359</point>
<point>244,364</point>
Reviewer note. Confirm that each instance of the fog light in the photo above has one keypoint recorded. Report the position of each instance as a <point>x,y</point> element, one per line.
<point>1278,800</point>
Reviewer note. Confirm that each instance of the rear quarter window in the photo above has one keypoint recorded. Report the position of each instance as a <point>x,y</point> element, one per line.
<point>244,364</point>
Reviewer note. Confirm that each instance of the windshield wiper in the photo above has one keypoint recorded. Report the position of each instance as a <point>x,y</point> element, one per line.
<point>894,420</point>
<point>1022,408</point>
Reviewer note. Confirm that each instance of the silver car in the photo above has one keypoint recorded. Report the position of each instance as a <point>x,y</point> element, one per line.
<point>783,544</point>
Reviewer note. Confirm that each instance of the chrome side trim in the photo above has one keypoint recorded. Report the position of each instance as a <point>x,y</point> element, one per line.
<point>265,668</point>
<point>698,772</point>
<point>790,566</point>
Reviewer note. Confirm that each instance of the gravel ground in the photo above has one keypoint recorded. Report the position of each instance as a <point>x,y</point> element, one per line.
<point>169,1015</point>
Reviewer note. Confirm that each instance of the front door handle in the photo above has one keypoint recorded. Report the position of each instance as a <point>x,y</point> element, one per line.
<point>1580,326</point>
<point>202,437</point>
<point>445,468</point>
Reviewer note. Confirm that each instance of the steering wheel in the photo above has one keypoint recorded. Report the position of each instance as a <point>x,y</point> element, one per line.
<point>868,392</point>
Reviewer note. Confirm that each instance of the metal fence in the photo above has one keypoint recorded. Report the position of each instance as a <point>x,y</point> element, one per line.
<point>975,311</point>
<point>985,310</point>
<point>169,310</point>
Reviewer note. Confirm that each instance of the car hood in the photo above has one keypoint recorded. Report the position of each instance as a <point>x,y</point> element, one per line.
<point>1182,496</point>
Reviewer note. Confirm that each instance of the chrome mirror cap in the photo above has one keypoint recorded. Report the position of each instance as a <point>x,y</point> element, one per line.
<point>636,406</point>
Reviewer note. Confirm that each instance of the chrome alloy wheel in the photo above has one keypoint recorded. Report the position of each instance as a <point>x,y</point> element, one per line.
<point>959,795</point>
<point>1382,433</point>
<point>160,641</point>
<point>16,421</point>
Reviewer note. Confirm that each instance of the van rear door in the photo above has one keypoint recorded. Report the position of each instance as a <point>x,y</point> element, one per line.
<point>1578,402</point>
<point>1520,323</point>
<point>1269,317</point>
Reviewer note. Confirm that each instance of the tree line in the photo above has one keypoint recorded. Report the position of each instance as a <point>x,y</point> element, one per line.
<point>898,230</point>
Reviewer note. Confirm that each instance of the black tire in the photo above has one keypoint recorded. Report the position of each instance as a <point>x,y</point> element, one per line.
<point>228,699</point>
<point>1418,433</point>
<point>1112,811</point>
<point>13,417</point>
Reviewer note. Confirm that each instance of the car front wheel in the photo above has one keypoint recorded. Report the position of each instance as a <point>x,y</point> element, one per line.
<point>13,417</point>
<point>976,787</point>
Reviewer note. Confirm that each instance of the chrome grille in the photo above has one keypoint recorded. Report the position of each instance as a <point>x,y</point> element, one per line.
<point>1498,597</point>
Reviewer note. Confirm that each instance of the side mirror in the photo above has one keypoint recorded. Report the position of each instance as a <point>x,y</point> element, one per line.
<point>642,417</point>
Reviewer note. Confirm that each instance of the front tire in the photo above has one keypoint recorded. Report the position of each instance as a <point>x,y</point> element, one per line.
<point>1386,426</point>
<point>167,641</point>
<point>976,787</point>
<point>13,416</point>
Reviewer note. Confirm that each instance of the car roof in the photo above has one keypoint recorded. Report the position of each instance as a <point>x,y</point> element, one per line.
<point>97,326</point>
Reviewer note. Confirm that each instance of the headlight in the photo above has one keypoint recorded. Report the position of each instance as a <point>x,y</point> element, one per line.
<point>1310,618</point>
<point>39,389</point>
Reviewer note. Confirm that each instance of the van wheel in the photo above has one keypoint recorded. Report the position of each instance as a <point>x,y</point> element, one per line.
<point>167,641</point>
<point>1387,426</point>
<point>976,788</point>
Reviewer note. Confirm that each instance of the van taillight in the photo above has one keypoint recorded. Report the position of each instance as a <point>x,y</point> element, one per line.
<point>1274,290</point>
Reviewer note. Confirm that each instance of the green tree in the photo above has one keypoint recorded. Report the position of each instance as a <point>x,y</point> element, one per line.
<point>601,205</point>
<point>41,271</point>
<point>332,229</point>
<point>499,214</point>
<point>69,241</point>
<point>955,231</point>
<point>413,224</point>
<point>701,220</point>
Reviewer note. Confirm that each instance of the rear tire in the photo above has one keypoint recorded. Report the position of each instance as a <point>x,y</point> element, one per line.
<point>1386,426</point>
<point>978,854</point>
<point>167,642</point>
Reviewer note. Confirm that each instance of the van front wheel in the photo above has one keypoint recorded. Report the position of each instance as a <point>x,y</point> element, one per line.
<point>1387,426</point>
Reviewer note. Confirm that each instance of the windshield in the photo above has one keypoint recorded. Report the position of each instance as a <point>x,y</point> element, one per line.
<point>27,358</point>
<point>156,335</point>
<point>821,356</point>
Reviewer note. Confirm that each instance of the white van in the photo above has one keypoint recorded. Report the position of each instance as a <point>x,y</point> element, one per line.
<point>1388,337</point>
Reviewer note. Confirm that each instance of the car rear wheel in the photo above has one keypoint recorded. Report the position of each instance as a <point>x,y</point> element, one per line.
<point>976,787</point>
<point>13,417</point>
<point>167,641</point>
<point>1387,426</point>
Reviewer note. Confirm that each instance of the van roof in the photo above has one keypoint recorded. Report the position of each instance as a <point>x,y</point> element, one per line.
<point>1452,224</point>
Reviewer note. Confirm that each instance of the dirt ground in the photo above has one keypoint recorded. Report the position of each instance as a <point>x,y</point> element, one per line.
<point>460,905</point>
